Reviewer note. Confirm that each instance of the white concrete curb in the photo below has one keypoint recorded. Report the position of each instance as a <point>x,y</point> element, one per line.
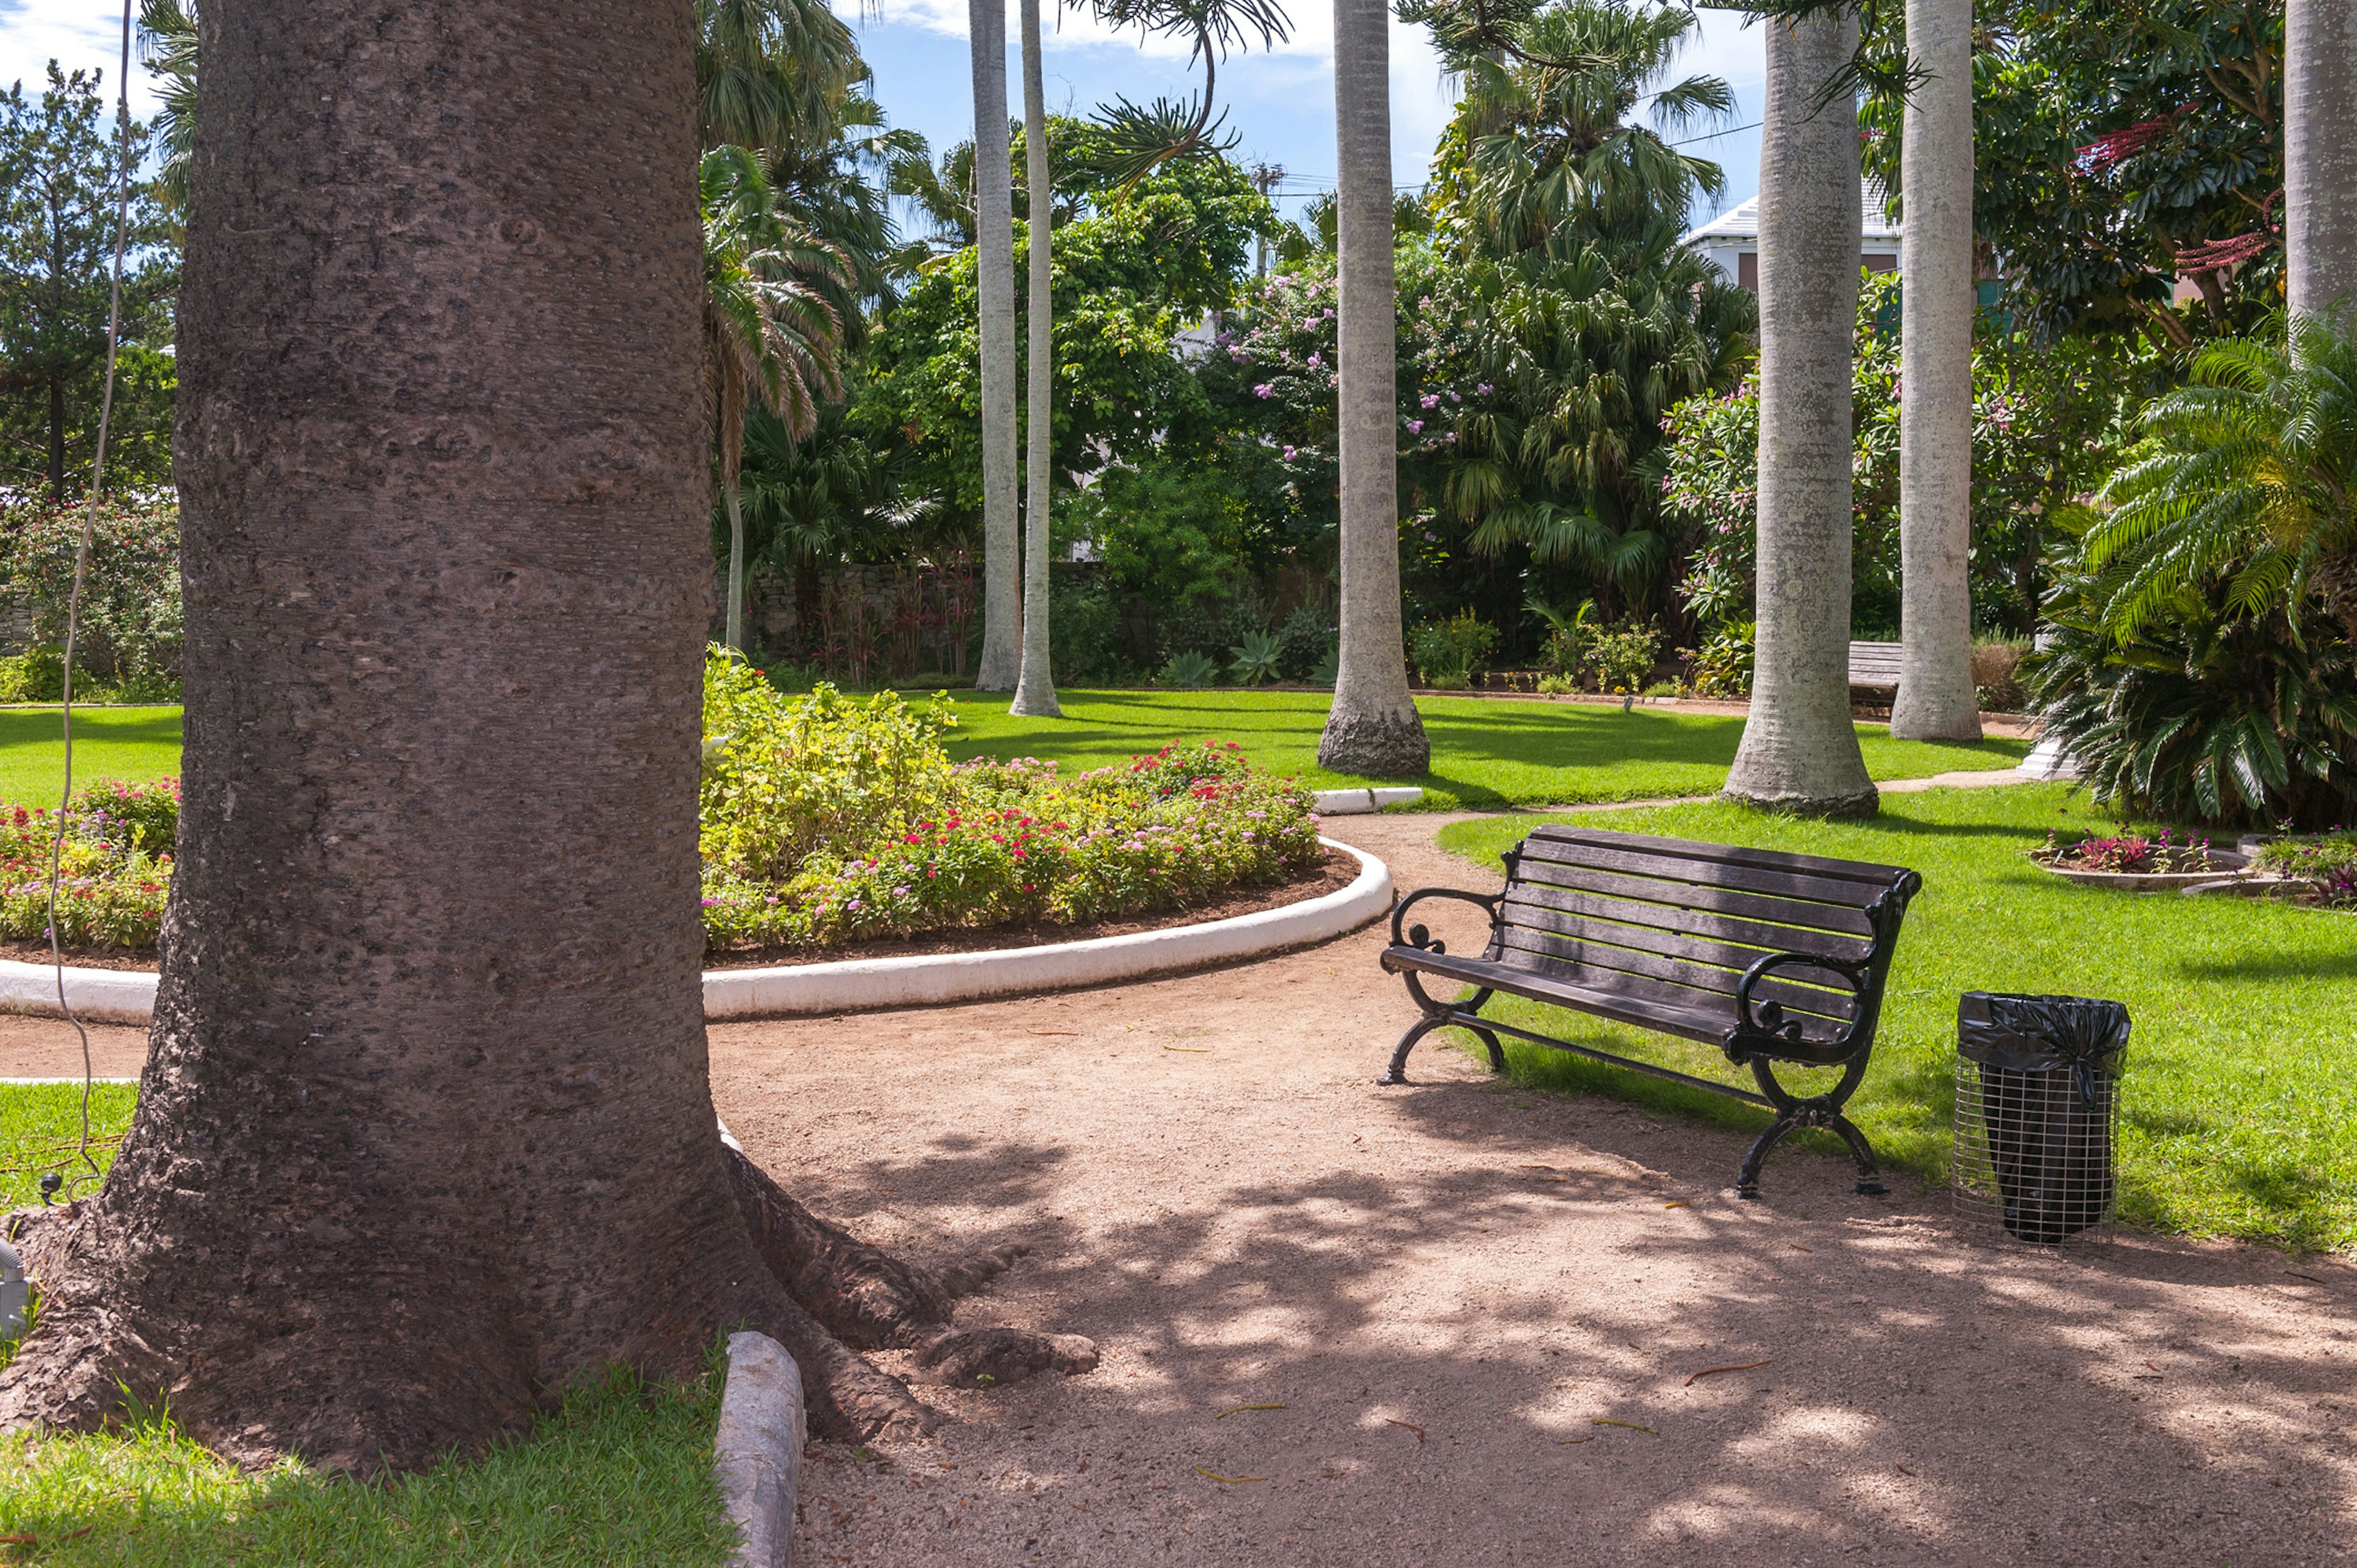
<point>757,1452</point>
<point>1358,802</point>
<point>128,996</point>
<point>926,978</point>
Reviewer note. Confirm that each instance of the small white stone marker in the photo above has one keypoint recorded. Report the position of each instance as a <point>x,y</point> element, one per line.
<point>757,1452</point>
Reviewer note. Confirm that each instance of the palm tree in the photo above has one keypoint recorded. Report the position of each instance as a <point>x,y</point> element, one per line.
<point>1800,752</point>
<point>168,46</point>
<point>1936,699</point>
<point>2319,155</point>
<point>1001,607</point>
<point>1372,728</point>
<point>2250,481</point>
<point>769,330</point>
<point>1035,686</point>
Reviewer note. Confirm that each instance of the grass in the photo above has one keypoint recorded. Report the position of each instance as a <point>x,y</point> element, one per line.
<point>620,1473</point>
<point>41,1124</point>
<point>2239,1109</point>
<point>1488,754</point>
<point>131,744</point>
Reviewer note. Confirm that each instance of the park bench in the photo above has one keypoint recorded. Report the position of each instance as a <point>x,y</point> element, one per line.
<point>1772,957</point>
<point>1874,666</point>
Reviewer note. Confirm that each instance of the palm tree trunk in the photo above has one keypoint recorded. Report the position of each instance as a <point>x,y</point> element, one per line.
<point>1798,751</point>
<point>2321,154</point>
<point>1002,607</point>
<point>1035,688</point>
<point>429,1045</point>
<point>1936,699</point>
<point>732,488</point>
<point>1372,728</point>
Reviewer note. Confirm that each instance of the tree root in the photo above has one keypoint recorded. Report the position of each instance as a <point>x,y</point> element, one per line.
<point>857,1295</point>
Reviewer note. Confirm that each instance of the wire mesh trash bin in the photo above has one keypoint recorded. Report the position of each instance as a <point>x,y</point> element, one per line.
<point>2037,1110</point>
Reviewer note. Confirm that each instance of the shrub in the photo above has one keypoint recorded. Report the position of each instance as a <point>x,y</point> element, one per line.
<point>1567,635</point>
<point>1622,657</point>
<point>1304,641</point>
<point>1996,673</point>
<point>1085,624</point>
<point>38,675</point>
<point>1723,666</point>
<point>1445,653</point>
<point>2326,863</point>
<point>1558,685</point>
<point>1189,669</point>
<point>131,591</point>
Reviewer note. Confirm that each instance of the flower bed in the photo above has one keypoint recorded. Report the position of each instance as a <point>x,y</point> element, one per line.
<point>2138,861</point>
<point>2320,867</point>
<point>830,820</point>
<point>113,874</point>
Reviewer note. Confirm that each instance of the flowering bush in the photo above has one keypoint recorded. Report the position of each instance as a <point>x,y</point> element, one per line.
<point>977,843</point>
<point>2133,853</point>
<point>131,630</point>
<point>113,874</point>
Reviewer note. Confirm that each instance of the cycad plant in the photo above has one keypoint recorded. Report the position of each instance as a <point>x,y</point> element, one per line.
<point>2248,477</point>
<point>769,330</point>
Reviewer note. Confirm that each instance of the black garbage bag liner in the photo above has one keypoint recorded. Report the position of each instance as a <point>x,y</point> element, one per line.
<point>2048,1070</point>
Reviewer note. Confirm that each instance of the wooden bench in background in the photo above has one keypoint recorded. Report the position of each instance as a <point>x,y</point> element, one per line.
<point>1874,666</point>
<point>1772,957</point>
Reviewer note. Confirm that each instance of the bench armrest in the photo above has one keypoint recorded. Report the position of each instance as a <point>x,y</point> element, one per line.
<point>1417,936</point>
<point>1770,1022</point>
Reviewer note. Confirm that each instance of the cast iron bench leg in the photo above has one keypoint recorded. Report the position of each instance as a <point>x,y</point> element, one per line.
<point>1819,1111</point>
<point>1437,1017</point>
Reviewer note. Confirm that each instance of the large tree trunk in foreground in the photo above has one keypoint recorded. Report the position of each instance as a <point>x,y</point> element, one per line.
<point>425,1128</point>
<point>2320,156</point>
<point>1798,751</point>
<point>1001,607</point>
<point>1035,688</point>
<point>1372,728</point>
<point>1936,699</point>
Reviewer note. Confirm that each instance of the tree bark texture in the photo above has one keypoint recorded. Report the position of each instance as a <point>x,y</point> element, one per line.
<point>1001,604</point>
<point>1798,751</point>
<point>1936,699</point>
<point>1373,729</point>
<point>425,1130</point>
<point>1035,686</point>
<point>2321,154</point>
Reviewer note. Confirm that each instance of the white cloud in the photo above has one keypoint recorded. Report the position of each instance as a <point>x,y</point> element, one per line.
<point>77,34</point>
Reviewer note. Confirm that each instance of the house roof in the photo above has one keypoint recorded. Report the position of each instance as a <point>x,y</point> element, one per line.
<point>1740,224</point>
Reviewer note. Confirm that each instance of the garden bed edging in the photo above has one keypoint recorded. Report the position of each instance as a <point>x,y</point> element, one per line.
<point>847,985</point>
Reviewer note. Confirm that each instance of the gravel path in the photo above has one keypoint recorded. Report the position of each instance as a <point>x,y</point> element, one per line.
<point>1448,1287</point>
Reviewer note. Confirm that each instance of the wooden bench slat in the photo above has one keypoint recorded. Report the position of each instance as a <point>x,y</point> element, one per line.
<point>1864,873</point>
<point>1875,663</point>
<point>1621,1007</point>
<point>1834,919</point>
<point>1600,965</point>
<point>1670,915</point>
<point>1686,961</point>
<point>1800,890</point>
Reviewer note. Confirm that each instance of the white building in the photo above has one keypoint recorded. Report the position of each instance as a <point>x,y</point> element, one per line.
<point>1730,241</point>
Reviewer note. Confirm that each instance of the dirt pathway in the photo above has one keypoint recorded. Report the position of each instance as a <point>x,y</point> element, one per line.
<point>1447,1286</point>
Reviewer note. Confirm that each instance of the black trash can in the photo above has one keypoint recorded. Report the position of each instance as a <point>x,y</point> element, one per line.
<point>2037,1107</point>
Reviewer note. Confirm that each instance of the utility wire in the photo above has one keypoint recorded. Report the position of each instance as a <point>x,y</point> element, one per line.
<point>81,571</point>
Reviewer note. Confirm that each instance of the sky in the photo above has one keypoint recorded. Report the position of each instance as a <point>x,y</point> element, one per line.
<point>1280,101</point>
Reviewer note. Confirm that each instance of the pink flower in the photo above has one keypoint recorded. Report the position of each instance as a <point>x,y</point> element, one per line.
<point>1264,390</point>
<point>1416,426</point>
<point>1430,400</point>
<point>1482,389</point>
<point>1288,458</point>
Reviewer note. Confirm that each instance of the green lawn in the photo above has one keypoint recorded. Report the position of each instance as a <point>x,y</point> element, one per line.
<point>2240,1114</point>
<point>130,743</point>
<point>1488,754</point>
<point>621,1473</point>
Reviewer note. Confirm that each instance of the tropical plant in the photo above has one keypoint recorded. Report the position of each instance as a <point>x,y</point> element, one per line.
<point>1567,636</point>
<point>769,330</point>
<point>1259,659</point>
<point>168,47</point>
<point>2203,712</point>
<point>1798,751</point>
<point>2248,477</point>
<point>1191,668</point>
